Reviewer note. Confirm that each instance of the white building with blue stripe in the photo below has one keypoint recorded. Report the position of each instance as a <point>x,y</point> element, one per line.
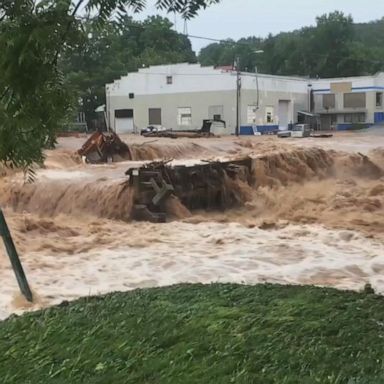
<point>181,96</point>
<point>347,103</point>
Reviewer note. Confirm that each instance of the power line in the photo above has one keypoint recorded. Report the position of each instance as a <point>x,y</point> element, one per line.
<point>208,39</point>
<point>313,55</point>
<point>221,41</point>
<point>254,44</point>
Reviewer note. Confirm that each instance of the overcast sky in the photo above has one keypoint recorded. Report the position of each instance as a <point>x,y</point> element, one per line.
<point>242,18</point>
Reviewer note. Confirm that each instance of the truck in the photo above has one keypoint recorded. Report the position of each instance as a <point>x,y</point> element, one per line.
<point>298,130</point>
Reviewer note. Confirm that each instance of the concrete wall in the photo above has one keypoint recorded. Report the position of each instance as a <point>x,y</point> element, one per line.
<point>200,103</point>
<point>201,88</point>
<point>189,78</point>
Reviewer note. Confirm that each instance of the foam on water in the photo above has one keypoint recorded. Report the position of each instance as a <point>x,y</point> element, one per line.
<point>66,226</point>
<point>149,255</point>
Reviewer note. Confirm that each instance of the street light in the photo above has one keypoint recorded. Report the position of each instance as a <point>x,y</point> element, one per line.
<point>257,82</point>
<point>238,90</point>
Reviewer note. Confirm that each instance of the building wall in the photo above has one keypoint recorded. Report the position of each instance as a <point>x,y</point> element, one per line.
<point>203,89</point>
<point>268,100</point>
<point>199,102</point>
<point>202,102</point>
<point>369,85</point>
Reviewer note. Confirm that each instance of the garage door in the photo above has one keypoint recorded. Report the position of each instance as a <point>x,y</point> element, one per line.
<point>283,114</point>
<point>124,121</point>
<point>124,125</point>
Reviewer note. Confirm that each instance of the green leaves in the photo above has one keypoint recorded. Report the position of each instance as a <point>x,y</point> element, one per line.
<point>111,50</point>
<point>34,36</point>
<point>334,47</point>
<point>187,8</point>
<point>106,8</point>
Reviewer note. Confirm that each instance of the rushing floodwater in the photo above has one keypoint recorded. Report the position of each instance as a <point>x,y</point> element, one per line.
<point>173,253</point>
<point>313,217</point>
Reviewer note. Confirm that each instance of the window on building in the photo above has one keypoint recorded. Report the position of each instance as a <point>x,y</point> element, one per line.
<point>329,101</point>
<point>269,112</point>
<point>184,116</point>
<point>217,117</point>
<point>251,114</point>
<point>169,79</point>
<point>355,100</point>
<point>354,118</point>
<point>131,95</point>
<point>379,99</point>
<point>124,113</point>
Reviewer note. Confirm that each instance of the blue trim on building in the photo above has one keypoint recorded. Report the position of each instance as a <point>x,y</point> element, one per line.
<point>369,88</point>
<point>379,117</point>
<point>353,89</point>
<point>250,130</point>
<point>352,126</point>
<point>247,131</point>
<point>267,129</point>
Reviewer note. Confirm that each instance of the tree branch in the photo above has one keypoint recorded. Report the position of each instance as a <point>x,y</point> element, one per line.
<point>73,14</point>
<point>4,93</point>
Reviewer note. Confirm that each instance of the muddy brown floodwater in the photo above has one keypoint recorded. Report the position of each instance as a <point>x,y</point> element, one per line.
<point>314,216</point>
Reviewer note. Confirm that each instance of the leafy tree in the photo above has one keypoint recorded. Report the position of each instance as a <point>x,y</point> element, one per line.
<point>226,52</point>
<point>34,97</point>
<point>107,53</point>
<point>334,47</point>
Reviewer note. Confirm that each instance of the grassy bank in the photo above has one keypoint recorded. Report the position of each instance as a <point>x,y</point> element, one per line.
<point>200,334</point>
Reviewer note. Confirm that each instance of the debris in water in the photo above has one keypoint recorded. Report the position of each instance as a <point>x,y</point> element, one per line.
<point>205,131</point>
<point>103,147</point>
<point>203,186</point>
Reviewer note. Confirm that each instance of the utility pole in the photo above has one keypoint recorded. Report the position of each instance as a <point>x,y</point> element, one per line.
<point>238,96</point>
<point>310,98</point>
<point>14,258</point>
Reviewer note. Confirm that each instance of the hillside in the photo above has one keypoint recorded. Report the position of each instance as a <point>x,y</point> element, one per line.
<point>371,34</point>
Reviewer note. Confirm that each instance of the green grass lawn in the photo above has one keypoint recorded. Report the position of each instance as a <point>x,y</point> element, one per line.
<point>200,334</point>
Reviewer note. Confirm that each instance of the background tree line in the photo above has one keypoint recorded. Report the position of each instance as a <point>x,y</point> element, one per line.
<point>105,54</point>
<point>334,47</point>
<point>55,53</point>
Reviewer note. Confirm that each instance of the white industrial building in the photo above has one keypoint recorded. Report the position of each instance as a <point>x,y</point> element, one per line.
<point>181,96</point>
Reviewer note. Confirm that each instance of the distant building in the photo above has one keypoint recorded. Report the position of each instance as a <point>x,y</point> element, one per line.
<point>349,102</point>
<point>181,96</point>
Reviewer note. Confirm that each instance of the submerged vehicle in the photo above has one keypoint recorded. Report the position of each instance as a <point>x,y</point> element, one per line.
<point>102,147</point>
<point>152,129</point>
<point>204,131</point>
<point>298,130</point>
